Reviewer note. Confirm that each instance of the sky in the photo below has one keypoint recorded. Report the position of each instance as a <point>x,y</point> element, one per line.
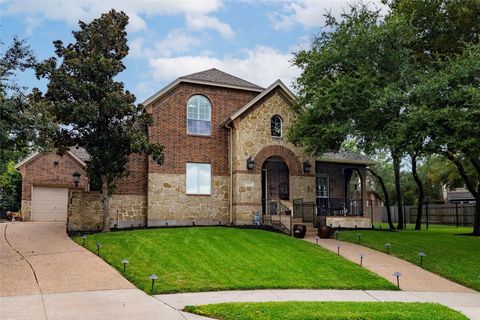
<point>253,40</point>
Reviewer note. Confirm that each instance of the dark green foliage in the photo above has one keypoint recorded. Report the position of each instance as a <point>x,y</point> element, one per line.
<point>10,188</point>
<point>94,110</point>
<point>24,125</point>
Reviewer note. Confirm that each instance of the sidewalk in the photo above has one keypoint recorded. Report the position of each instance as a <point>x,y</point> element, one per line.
<point>413,277</point>
<point>467,303</point>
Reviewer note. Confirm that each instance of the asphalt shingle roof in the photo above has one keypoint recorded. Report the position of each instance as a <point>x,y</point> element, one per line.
<point>216,76</point>
<point>80,153</point>
<point>346,156</point>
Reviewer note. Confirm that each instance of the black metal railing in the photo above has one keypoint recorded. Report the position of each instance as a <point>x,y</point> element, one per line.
<point>276,207</point>
<point>278,216</point>
<point>339,207</point>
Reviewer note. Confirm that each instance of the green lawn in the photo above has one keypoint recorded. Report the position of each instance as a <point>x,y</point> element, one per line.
<point>326,310</point>
<point>449,254</point>
<point>222,258</point>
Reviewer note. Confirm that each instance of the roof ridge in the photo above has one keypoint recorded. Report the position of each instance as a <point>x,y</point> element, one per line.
<point>218,76</point>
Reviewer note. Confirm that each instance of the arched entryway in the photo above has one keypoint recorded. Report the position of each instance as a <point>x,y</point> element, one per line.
<point>275,184</point>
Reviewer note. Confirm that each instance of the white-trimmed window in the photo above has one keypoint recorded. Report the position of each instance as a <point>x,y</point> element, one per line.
<point>322,185</point>
<point>199,114</point>
<point>199,178</point>
<point>276,126</point>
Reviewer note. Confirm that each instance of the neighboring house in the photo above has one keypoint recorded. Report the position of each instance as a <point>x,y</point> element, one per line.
<point>458,195</point>
<point>226,160</point>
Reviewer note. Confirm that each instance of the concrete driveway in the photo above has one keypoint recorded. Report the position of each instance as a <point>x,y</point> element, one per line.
<point>45,275</point>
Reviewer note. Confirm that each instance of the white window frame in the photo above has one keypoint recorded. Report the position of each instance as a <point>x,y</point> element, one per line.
<point>197,119</point>
<point>190,166</point>
<point>281,126</point>
<point>327,187</point>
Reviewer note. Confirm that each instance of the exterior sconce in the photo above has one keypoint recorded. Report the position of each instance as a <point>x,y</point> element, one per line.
<point>250,163</point>
<point>306,166</point>
<point>76,178</point>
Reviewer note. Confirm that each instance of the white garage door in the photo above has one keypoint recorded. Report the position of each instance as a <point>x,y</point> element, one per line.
<point>49,204</point>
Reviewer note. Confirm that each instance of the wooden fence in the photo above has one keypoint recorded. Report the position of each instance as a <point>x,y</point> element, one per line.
<point>453,214</point>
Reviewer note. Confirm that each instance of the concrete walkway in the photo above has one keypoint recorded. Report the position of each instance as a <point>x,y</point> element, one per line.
<point>45,275</point>
<point>467,303</point>
<point>413,277</point>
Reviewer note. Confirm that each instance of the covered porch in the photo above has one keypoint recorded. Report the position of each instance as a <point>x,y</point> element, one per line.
<point>340,194</point>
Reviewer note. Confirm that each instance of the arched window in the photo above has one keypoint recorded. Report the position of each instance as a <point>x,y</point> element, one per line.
<point>276,126</point>
<point>199,114</point>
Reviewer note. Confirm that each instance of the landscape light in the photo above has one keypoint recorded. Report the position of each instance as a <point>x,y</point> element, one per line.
<point>388,245</point>
<point>125,262</point>
<point>316,239</point>
<point>83,240</point>
<point>338,248</point>
<point>98,248</point>
<point>153,277</point>
<point>361,256</point>
<point>421,255</point>
<point>397,274</point>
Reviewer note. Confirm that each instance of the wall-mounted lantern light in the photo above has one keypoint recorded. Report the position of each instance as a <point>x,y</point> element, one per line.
<point>250,163</point>
<point>76,178</point>
<point>306,166</point>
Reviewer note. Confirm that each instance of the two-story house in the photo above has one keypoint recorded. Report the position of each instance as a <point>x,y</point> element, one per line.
<point>227,161</point>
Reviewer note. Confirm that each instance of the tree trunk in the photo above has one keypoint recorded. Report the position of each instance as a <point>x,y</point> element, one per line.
<point>385,196</point>
<point>398,191</point>
<point>421,193</point>
<point>476,218</point>
<point>105,204</point>
<point>470,186</point>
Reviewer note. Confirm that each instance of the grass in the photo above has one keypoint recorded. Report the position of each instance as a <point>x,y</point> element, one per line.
<point>326,310</point>
<point>222,258</point>
<point>450,253</point>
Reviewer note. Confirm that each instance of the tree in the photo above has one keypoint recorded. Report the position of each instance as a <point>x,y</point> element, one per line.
<point>449,98</point>
<point>355,82</point>
<point>92,109</point>
<point>20,121</point>
<point>10,188</point>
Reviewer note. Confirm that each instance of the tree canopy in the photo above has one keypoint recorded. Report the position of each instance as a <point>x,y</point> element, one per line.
<point>92,109</point>
<point>406,82</point>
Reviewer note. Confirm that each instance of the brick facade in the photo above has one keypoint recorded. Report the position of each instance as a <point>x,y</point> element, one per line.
<point>51,169</point>
<point>170,117</point>
<point>155,195</point>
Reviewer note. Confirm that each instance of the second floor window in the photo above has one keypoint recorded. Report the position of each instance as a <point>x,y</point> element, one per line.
<point>199,114</point>
<point>276,126</point>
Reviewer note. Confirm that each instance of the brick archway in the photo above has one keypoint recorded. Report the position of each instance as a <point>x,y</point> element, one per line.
<point>292,161</point>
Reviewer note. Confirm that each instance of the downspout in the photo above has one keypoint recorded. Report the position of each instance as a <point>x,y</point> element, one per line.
<point>230,160</point>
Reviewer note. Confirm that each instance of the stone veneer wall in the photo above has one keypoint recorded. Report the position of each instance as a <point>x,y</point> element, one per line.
<point>26,211</point>
<point>169,204</point>
<point>252,135</point>
<point>85,210</point>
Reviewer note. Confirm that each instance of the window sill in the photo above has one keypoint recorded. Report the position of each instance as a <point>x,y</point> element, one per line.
<point>199,135</point>
<point>198,194</point>
<point>273,137</point>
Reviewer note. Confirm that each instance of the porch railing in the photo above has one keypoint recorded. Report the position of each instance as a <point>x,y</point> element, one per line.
<point>279,216</point>
<point>339,207</point>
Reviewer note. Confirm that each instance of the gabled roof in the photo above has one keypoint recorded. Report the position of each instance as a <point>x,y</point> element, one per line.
<point>250,104</point>
<point>213,77</point>
<point>346,157</point>
<point>70,152</point>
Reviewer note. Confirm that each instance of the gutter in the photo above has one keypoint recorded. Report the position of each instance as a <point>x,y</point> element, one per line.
<point>230,160</point>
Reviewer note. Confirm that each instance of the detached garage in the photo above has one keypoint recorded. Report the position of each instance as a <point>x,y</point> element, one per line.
<point>46,180</point>
<point>49,204</point>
